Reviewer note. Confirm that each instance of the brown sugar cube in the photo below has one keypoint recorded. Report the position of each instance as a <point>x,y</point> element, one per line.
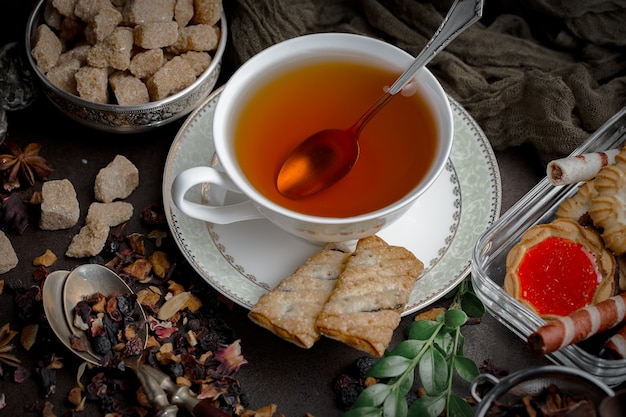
<point>199,61</point>
<point>117,180</point>
<point>52,16</point>
<point>183,12</point>
<point>196,38</point>
<point>64,75</point>
<point>155,34</point>
<point>59,205</point>
<point>207,12</point>
<point>128,89</point>
<point>144,64</point>
<point>47,48</point>
<point>65,7</point>
<point>8,257</point>
<point>114,51</point>
<point>103,25</point>
<point>86,10</point>
<point>80,52</point>
<point>110,214</point>
<point>137,12</point>
<point>171,78</point>
<point>89,241</point>
<point>92,84</point>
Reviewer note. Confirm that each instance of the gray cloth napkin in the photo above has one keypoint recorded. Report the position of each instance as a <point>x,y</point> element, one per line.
<point>540,72</point>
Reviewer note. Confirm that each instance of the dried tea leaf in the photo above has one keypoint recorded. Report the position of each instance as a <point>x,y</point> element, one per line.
<point>137,243</point>
<point>1,286</point>
<point>140,269</point>
<point>47,259</point>
<point>174,287</point>
<point>160,263</point>
<point>75,396</point>
<point>29,335</point>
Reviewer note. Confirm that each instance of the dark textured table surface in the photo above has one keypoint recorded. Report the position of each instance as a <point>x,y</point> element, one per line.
<point>297,380</point>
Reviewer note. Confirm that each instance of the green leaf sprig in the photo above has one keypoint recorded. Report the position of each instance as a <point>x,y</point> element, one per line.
<point>435,349</point>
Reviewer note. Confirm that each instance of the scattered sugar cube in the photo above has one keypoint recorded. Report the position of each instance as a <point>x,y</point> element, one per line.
<point>183,12</point>
<point>89,241</point>
<point>102,25</point>
<point>137,12</point>
<point>207,12</point>
<point>110,214</point>
<point>117,180</point>
<point>47,48</point>
<point>171,78</point>
<point>155,34</point>
<point>59,205</point>
<point>199,61</point>
<point>128,89</point>
<point>144,64</point>
<point>64,75</point>
<point>92,84</point>
<point>8,257</point>
<point>196,38</point>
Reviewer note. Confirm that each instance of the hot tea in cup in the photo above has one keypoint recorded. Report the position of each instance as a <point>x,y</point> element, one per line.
<point>295,88</point>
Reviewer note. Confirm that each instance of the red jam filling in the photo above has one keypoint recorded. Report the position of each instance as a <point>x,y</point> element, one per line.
<point>558,276</point>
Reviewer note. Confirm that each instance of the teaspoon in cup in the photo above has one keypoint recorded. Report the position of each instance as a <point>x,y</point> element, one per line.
<point>328,155</point>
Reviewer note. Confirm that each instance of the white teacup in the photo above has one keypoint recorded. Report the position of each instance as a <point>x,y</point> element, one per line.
<point>255,72</point>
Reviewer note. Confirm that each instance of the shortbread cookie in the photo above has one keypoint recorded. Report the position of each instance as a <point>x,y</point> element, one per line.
<point>291,308</point>
<point>577,206</point>
<point>559,267</point>
<point>364,308</point>
<point>608,207</point>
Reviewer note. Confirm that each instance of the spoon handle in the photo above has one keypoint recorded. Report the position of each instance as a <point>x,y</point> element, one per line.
<point>461,15</point>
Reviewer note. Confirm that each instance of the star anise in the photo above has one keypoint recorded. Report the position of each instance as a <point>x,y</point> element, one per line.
<point>27,164</point>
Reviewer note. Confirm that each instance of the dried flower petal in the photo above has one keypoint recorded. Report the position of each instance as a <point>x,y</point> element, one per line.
<point>230,358</point>
<point>13,214</point>
<point>29,335</point>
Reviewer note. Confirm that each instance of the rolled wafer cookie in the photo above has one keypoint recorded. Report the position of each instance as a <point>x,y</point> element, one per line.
<point>615,347</point>
<point>578,326</point>
<point>573,169</point>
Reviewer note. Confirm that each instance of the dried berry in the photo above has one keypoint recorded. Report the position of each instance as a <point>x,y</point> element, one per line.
<point>101,345</point>
<point>362,364</point>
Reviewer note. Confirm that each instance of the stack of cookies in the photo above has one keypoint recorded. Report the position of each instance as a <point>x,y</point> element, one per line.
<point>354,297</point>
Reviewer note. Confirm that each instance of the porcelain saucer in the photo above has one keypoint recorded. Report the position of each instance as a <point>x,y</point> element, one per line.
<point>244,260</point>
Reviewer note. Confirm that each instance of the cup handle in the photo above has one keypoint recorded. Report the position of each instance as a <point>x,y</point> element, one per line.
<point>214,214</point>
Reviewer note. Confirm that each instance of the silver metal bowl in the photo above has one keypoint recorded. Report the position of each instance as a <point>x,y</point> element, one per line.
<point>127,119</point>
<point>511,389</point>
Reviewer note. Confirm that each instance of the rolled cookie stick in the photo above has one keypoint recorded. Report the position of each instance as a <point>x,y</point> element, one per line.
<point>573,169</point>
<point>615,347</point>
<point>578,326</point>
